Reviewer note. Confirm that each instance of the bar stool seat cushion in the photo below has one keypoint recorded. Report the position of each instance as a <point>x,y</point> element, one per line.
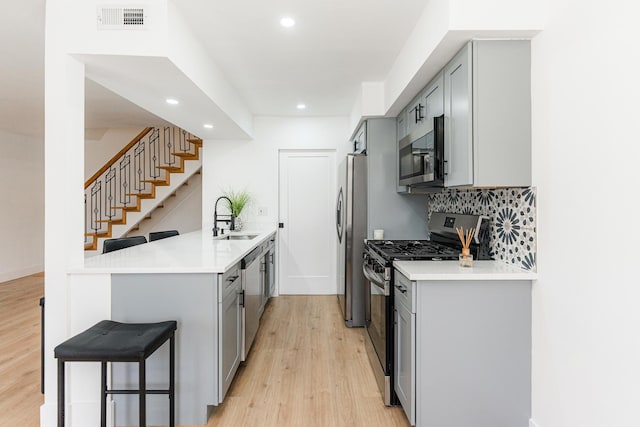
<point>114,341</point>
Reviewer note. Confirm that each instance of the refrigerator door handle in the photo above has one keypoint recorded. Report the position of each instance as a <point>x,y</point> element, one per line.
<point>339,225</point>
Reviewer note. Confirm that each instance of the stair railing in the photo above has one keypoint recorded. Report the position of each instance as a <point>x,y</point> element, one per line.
<point>131,174</point>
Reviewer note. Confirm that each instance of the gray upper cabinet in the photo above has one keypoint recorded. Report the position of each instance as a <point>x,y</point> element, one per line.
<point>487,107</point>
<point>401,125</point>
<point>433,98</point>
<point>360,139</point>
<point>458,143</point>
<point>415,113</point>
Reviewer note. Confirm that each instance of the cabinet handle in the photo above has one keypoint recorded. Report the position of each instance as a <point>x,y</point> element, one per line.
<point>420,115</point>
<point>402,289</point>
<point>241,294</point>
<point>446,167</point>
<point>232,279</point>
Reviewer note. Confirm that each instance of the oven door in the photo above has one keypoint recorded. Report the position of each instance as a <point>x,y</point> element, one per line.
<point>379,327</point>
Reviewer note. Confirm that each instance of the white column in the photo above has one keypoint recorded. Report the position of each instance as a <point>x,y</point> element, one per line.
<point>64,189</point>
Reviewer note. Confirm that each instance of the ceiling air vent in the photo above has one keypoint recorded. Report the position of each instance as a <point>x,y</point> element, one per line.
<point>121,18</point>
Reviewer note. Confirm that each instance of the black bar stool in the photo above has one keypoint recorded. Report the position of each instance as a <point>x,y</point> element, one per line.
<point>157,235</point>
<point>116,244</point>
<point>109,341</point>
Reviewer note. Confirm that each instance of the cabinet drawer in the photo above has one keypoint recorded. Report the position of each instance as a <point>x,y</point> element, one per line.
<point>403,290</point>
<point>228,281</point>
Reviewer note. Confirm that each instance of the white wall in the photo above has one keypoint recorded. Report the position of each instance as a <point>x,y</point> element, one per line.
<point>22,214</point>
<point>253,165</point>
<point>586,321</point>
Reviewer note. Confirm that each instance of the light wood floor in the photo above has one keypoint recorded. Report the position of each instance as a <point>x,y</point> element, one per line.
<point>305,368</point>
<point>20,397</point>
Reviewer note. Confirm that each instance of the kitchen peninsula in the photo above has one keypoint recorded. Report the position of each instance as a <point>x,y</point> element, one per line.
<point>183,278</point>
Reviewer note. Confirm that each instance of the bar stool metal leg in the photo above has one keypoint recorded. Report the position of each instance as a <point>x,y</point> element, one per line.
<point>103,400</point>
<point>143,393</point>
<point>60,393</point>
<point>172,385</point>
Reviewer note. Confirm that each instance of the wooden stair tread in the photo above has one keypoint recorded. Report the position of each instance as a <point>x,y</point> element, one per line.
<point>187,156</point>
<point>118,221</point>
<point>99,235</point>
<point>170,168</point>
<point>128,208</point>
<point>159,182</point>
<point>142,195</point>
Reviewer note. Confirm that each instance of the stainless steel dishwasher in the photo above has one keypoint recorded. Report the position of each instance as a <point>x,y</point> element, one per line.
<point>250,274</point>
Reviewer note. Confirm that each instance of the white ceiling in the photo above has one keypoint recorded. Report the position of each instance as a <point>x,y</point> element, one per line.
<point>335,45</point>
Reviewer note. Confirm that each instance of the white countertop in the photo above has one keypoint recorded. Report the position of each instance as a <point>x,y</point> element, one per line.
<point>195,252</point>
<point>450,270</point>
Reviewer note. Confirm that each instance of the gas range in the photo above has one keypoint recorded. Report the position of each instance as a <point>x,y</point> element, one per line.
<point>412,250</point>
<point>443,244</point>
<point>378,272</point>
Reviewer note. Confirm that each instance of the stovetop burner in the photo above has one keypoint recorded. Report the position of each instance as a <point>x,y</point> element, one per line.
<point>412,249</point>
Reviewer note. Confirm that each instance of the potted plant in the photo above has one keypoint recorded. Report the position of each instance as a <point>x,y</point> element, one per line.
<point>239,200</point>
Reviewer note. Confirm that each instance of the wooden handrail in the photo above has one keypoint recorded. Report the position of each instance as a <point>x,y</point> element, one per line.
<point>107,165</point>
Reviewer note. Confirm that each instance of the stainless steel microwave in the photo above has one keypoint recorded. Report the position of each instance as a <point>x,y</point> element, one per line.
<point>421,156</point>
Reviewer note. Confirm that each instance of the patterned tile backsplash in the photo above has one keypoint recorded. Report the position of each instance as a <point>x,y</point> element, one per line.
<point>512,214</point>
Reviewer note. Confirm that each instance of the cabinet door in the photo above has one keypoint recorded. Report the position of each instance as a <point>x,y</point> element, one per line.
<point>401,125</point>
<point>360,139</point>
<point>415,114</point>
<point>458,134</point>
<point>404,375</point>
<point>272,272</point>
<point>230,332</point>
<point>434,98</point>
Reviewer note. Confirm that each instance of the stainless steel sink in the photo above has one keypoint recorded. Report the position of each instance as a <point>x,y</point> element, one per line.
<point>240,237</point>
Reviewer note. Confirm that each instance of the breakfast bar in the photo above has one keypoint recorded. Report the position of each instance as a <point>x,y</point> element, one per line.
<point>180,278</point>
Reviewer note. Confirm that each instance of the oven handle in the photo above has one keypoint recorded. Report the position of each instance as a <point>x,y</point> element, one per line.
<point>371,276</point>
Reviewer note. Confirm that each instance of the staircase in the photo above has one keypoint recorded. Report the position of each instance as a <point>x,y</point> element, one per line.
<point>136,181</point>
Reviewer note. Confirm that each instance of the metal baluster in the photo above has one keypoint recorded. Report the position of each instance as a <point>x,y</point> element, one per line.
<point>169,142</point>
<point>154,154</point>
<point>140,174</point>
<point>125,180</point>
<point>110,193</point>
<point>96,206</point>
<point>185,144</point>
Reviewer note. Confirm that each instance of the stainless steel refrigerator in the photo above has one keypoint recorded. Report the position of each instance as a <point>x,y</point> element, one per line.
<point>351,225</point>
<point>368,199</point>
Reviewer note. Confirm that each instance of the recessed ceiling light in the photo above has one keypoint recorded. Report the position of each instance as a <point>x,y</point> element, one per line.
<point>172,101</point>
<point>301,106</point>
<point>208,126</point>
<point>287,22</point>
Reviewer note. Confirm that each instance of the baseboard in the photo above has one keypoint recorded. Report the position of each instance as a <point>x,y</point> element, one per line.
<point>16,274</point>
<point>86,414</point>
<point>532,423</point>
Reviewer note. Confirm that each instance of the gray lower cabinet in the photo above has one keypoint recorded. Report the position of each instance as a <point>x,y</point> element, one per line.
<point>487,108</point>
<point>405,347</point>
<point>230,327</point>
<point>463,352</point>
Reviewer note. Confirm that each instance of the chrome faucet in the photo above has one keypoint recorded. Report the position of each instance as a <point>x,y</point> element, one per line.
<point>229,219</point>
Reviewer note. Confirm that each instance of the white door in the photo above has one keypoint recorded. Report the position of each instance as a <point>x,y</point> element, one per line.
<point>307,245</point>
